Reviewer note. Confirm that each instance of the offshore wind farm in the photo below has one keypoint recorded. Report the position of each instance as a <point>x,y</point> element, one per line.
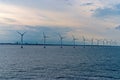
<point>83,42</point>
<point>93,59</point>
<point>59,40</point>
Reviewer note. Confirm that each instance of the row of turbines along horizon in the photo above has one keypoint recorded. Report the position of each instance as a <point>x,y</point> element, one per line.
<point>74,41</point>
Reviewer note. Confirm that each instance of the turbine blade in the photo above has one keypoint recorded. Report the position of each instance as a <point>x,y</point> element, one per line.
<point>19,33</point>
<point>60,35</point>
<point>24,33</point>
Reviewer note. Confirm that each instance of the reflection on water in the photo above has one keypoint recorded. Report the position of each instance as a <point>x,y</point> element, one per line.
<point>54,63</point>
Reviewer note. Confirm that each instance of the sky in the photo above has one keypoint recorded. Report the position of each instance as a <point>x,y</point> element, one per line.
<point>98,19</point>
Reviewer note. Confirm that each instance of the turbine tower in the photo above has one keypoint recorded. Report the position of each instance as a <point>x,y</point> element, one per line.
<point>103,42</point>
<point>111,43</point>
<point>106,42</point>
<point>21,34</point>
<point>74,41</point>
<point>98,41</point>
<point>92,41</point>
<point>84,41</point>
<point>115,43</point>
<point>61,40</point>
<point>44,39</point>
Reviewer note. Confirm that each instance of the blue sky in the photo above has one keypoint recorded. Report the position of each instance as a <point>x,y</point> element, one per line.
<point>98,19</point>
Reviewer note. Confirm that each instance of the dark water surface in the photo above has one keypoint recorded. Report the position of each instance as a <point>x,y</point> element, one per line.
<point>54,63</point>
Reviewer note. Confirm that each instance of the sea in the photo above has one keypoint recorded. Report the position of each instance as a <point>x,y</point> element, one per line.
<point>33,62</point>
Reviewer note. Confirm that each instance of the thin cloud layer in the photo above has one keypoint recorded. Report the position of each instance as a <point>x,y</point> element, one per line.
<point>15,15</point>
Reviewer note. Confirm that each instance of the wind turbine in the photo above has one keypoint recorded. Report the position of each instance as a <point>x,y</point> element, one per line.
<point>44,39</point>
<point>61,40</point>
<point>107,42</point>
<point>84,41</point>
<point>103,42</point>
<point>21,34</point>
<point>110,42</point>
<point>115,43</point>
<point>74,41</point>
<point>98,41</point>
<point>92,41</point>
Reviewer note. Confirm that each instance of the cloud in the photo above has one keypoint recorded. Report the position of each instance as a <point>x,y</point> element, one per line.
<point>74,16</point>
<point>107,12</point>
<point>9,20</point>
<point>58,16</point>
<point>32,17</point>
<point>87,4</point>
<point>18,17</point>
<point>118,27</point>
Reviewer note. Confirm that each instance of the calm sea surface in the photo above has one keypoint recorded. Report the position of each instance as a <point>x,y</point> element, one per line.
<point>54,63</point>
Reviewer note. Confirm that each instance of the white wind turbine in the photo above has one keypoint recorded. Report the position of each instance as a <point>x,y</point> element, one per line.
<point>61,40</point>
<point>74,41</point>
<point>44,39</point>
<point>84,40</point>
<point>98,42</point>
<point>92,42</point>
<point>103,42</point>
<point>106,42</point>
<point>21,34</point>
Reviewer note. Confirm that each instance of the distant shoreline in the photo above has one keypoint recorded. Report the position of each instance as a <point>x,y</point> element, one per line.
<point>60,45</point>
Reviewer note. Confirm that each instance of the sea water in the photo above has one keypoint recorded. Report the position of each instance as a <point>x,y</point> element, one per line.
<point>55,63</point>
